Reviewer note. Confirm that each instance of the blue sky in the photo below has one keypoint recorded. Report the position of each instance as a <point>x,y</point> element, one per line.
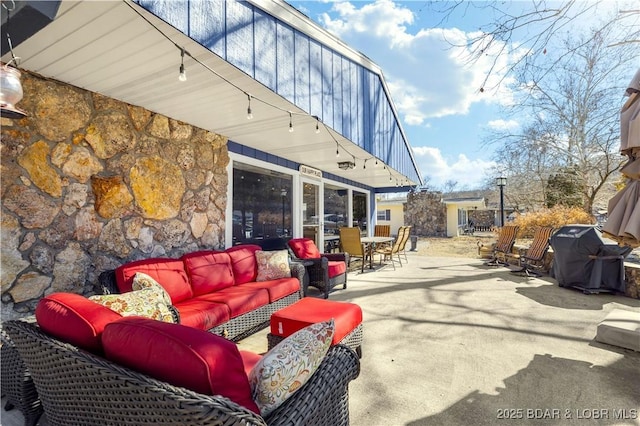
<point>435,90</point>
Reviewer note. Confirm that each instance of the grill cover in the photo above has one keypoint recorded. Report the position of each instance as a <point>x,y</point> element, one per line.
<point>584,259</point>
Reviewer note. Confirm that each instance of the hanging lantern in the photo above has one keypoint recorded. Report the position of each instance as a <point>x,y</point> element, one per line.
<point>10,92</point>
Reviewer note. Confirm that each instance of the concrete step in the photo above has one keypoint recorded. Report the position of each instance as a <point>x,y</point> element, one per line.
<point>620,328</point>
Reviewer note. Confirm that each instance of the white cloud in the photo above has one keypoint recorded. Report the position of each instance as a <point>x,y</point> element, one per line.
<point>469,173</point>
<point>426,70</point>
<point>503,124</point>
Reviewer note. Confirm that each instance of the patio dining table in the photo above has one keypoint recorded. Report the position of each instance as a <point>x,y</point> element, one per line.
<point>370,245</point>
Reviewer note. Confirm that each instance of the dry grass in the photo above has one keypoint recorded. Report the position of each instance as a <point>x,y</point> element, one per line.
<point>463,246</point>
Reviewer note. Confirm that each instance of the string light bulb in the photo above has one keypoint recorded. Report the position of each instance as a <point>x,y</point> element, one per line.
<point>290,123</point>
<point>364,165</point>
<point>337,150</point>
<point>317,125</point>
<point>183,74</point>
<point>249,113</point>
<point>376,164</point>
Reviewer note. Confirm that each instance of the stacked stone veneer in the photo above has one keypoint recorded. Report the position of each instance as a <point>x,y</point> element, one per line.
<point>426,213</point>
<point>89,183</point>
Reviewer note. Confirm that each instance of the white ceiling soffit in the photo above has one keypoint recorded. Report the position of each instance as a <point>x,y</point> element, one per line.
<point>105,47</point>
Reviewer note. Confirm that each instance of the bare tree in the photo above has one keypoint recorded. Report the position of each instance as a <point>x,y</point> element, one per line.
<point>573,117</point>
<point>529,28</point>
<point>449,186</point>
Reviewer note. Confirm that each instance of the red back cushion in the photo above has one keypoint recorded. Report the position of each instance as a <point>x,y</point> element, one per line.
<point>208,364</point>
<point>74,319</point>
<point>169,273</point>
<point>304,248</point>
<point>243,262</point>
<point>208,270</point>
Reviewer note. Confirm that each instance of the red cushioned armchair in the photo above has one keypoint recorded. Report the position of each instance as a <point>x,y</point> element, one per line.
<point>325,270</point>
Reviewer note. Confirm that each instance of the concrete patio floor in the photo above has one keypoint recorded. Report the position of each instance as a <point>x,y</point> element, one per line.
<point>448,341</point>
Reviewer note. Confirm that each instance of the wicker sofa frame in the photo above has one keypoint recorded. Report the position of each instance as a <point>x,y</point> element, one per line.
<point>241,326</point>
<point>318,272</point>
<point>16,383</point>
<point>80,388</point>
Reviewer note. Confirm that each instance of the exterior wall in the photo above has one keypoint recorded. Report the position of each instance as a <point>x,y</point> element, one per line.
<point>396,214</point>
<point>426,214</point>
<point>89,183</point>
<point>452,220</point>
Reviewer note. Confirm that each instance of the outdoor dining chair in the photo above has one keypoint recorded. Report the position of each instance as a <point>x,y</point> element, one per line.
<point>382,231</point>
<point>350,243</point>
<point>389,251</point>
<point>403,243</point>
<point>533,257</point>
<point>503,245</point>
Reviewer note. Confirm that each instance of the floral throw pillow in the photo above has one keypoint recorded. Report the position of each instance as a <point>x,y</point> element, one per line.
<point>142,281</point>
<point>144,303</point>
<point>272,265</point>
<point>289,365</point>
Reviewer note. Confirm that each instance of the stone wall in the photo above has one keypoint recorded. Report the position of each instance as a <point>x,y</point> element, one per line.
<point>426,213</point>
<point>89,183</point>
<point>483,219</point>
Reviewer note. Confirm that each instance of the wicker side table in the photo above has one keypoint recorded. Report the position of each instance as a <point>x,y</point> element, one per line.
<point>16,383</point>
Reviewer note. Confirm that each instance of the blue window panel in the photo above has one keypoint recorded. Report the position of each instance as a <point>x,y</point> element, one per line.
<point>327,86</point>
<point>285,62</point>
<point>346,98</point>
<point>374,101</point>
<point>265,52</point>
<point>357,95</point>
<point>207,25</point>
<point>315,79</point>
<point>174,13</point>
<point>337,92</point>
<point>378,118</point>
<point>240,45</point>
<point>302,71</point>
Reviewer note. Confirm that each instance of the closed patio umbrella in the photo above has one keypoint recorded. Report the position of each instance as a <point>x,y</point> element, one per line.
<point>624,214</point>
<point>623,223</point>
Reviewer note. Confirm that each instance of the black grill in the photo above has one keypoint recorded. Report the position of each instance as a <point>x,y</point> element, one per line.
<point>584,259</point>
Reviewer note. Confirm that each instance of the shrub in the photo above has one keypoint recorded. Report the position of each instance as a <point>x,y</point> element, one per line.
<point>556,217</point>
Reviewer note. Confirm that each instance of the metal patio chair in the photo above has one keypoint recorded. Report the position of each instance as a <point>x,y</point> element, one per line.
<point>533,257</point>
<point>502,246</point>
<point>350,243</point>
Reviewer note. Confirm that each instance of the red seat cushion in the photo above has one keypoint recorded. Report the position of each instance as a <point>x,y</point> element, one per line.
<point>249,360</point>
<point>183,356</point>
<point>304,248</point>
<point>309,310</point>
<point>243,262</point>
<point>169,273</point>
<point>202,314</point>
<point>208,270</point>
<point>277,289</point>
<point>239,299</point>
<point>337,267</point>
<point>74,319</point>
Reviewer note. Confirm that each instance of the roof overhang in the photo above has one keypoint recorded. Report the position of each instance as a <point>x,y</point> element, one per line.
<point>108,48</point>
<point>466,203</point>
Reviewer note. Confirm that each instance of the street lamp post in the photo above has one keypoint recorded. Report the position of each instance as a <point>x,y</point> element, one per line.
<point>283,194</point>
<point>501,182</point>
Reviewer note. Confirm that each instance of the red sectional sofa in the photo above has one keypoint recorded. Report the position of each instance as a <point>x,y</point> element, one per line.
<point>215,290</point>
